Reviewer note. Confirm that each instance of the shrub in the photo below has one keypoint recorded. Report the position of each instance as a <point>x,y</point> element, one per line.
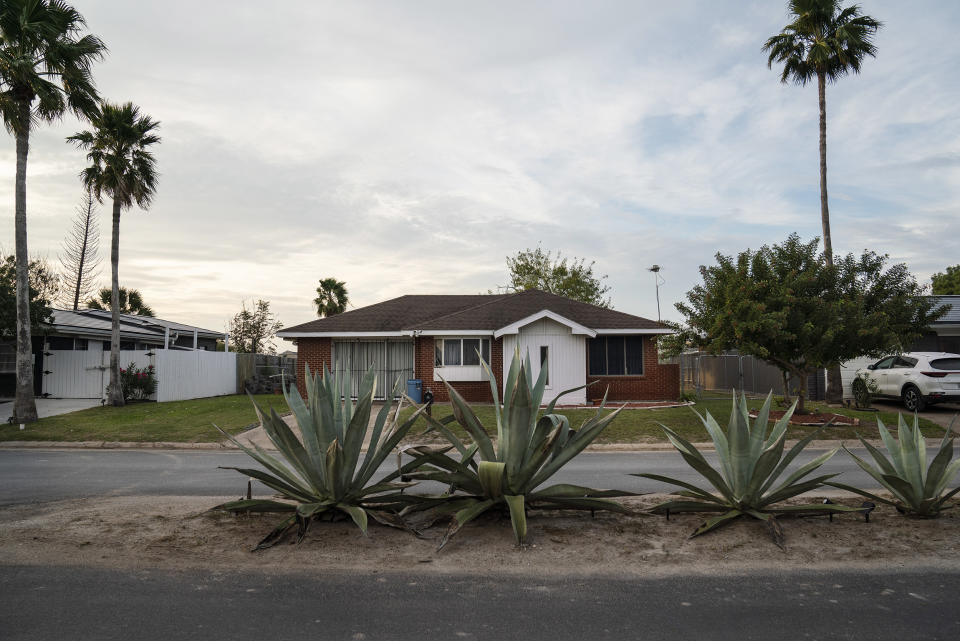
<point>751,462</point>
<point>528,451</point>
<point>918,489</point>
<point>323,475</point>
<point>137,384</point>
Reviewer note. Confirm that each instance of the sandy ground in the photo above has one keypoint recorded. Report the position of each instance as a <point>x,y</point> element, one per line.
<point>179,533</point>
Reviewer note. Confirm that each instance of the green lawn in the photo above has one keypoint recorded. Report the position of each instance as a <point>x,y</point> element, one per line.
<point>178,421</point>
<point>641,425</point>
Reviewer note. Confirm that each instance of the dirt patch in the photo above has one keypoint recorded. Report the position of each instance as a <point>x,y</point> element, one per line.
<point>178,533</point>
<point>813,419</point>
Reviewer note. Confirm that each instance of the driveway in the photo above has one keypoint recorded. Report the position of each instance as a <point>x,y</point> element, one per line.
<point>941,413</point>
<point>52,406</point>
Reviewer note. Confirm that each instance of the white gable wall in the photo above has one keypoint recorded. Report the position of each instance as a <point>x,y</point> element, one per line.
<point>567,357</point>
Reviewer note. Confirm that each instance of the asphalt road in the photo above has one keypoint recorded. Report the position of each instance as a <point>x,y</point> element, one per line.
<point>41,603</point>
<point>30,476</point>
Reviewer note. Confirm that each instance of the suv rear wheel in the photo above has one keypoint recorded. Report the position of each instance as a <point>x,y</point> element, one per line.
<point>913,399</point>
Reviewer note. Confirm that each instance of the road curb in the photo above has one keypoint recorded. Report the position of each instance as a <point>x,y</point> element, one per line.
<point>229,447</point>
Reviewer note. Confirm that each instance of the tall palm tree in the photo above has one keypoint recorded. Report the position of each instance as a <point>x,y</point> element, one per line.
<point>122,167</point>
<point>826,42</point>
<point>44,70</point>
<point>131,301</point>
<point>331,297</point>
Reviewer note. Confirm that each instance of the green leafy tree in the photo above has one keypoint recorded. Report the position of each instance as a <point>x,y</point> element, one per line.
<point>947,284</point>
<point>572,278</point>
<point>331,297</point>
<point>122,167</point>
<point>251,331</point>
<point>44,285</point>
<point>45,66</point>
<point>131,302</point>
<point>786,305</point>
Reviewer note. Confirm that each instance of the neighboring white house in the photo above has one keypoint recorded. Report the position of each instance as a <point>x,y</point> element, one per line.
<point>72,357</point>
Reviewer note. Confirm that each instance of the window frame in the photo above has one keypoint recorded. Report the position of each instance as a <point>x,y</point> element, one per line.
<point>439,350</point>
<point>627,340</point>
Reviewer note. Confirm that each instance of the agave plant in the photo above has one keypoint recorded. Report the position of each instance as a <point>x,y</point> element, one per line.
<point>323,474</point>
<point>751,464</point>
<point>917,489</point>
<point>528,450</point>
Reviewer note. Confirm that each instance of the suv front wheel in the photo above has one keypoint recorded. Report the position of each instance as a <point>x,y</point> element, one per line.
<point>913,399</point>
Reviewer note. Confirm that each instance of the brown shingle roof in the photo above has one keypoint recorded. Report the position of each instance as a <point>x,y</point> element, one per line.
<point>393,315</point>
<point>476,312</point>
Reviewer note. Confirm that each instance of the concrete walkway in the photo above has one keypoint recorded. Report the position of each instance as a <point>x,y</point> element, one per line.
<point>52,406</point>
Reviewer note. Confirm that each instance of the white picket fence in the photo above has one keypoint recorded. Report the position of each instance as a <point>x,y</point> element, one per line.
<point>181,375</point>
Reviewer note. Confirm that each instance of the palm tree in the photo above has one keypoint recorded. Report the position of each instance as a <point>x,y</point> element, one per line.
<point>122,167</point>
<point>331,297</point>
<point>44,70</point>
<point>131,302</point>
<point>825,42</point>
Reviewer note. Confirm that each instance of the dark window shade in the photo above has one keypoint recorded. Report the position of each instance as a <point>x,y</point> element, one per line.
<point>80,344</point>
<point>437,354</point>
<point>471,346</point>
<point>597,353</point>
<point>615,364</point>
<point>634,354</point>
<point>485,348</point>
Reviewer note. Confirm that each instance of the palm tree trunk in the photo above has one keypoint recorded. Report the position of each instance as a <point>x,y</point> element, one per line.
<point>824,208</point>
<point>834,385</point>
<point>116,392</point>
<point>24,406</point>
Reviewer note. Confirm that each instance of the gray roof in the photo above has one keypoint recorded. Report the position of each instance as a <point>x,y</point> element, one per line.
<point>95,322</point>
<point>952,317</point>
<point>474,312</point>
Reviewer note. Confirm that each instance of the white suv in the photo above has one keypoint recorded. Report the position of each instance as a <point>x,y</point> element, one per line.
<point>919,378</point>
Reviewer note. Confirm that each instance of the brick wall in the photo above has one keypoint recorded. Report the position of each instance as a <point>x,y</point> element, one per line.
<point>315,352</point>
<point>472,391</point>
<point>658,383</point>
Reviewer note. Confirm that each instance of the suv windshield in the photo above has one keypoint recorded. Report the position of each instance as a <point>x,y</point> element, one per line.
<point>946,363</point>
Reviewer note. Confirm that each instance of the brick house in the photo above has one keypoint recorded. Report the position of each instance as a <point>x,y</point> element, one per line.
<point>437,338</point>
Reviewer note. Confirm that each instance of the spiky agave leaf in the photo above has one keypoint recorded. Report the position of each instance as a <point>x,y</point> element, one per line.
<point>530,448</point>
<point>918,490</point>
<point>751,462</point>
<point>323,472</point>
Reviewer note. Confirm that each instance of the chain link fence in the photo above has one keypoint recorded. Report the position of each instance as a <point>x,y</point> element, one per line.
<point>709,375</point>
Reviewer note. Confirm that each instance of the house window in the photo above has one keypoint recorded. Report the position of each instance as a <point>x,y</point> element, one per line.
<point>461,351</point>
<point>544,355</point>
<point>616,355</point>
<point>81,344</point>
<point>60,342</point>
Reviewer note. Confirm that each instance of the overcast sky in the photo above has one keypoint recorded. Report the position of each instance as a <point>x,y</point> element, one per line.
<point>409,147</point>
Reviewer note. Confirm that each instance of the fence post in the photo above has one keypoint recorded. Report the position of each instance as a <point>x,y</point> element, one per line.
<point>740,372</point>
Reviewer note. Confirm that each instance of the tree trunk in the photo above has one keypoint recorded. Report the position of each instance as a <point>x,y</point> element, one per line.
<point>786,385</point>
<point>824,208</point>
<point>24,406</point>
<point>115,390</point>
<point>834,384</point>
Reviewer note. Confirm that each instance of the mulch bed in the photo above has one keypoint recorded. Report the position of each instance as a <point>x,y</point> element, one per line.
<point>812,419</point>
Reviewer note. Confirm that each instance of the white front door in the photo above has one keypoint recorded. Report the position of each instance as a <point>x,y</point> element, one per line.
<point>564,353</point>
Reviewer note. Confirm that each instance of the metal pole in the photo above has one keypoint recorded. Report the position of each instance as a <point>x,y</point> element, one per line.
<point>656,283</point>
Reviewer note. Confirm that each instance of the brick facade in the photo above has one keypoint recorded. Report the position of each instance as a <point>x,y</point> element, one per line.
<point>315,352</point>
<point>472,391</point>
<point>658,383</point>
